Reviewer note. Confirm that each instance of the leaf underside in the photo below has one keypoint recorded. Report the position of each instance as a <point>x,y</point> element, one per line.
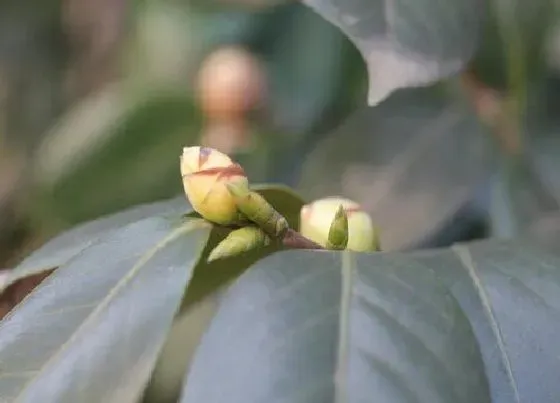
<point>407,43</point>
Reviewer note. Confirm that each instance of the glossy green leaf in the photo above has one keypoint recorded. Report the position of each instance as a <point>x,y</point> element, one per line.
<point>511,293</point>
<point>201,300</point>
<point>344,327</point>
<point>477,323</point>
<point>92,331</point>
<point>62,248</point>
<point>405,43</point>
<point>212,276</point>
<point>411,162</point>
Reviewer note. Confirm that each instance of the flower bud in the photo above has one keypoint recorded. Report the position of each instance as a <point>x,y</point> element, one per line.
<point>239,241</point>
<point>255,208</point>
<point>338,231</point>
<point>318,217</point>
<point>206,173</point>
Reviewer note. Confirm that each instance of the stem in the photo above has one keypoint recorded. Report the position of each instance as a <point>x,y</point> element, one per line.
<point>294,240</point>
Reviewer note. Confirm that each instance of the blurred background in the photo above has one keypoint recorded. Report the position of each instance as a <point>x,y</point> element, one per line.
<point>97,98</point>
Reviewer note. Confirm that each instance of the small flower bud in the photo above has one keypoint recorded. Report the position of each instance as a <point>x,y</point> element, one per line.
<point>239,241</point>
<point>206,172</point>
<point>258,210</point>
<point>338,231</point>
<point>317,221</point>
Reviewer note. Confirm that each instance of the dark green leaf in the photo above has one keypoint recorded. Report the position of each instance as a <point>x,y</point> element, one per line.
<point>202,298</point>
<point>407,43</point>
<point>212,276</point>
<point>67,245</point>
<point>519,198</point>
<point>514,45</point>
<point>89,167</point>
<point>511,293</point>
<point>412,162</point>
<point>344,327</point>
<point>92,331</point>
<point>478,323</point>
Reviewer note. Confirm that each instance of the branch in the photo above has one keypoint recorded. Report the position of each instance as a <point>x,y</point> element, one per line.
<point>294,240</point>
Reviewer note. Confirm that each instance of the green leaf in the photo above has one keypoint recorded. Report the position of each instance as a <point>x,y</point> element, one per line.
<point>344,327</point>
<point>412,163</point>
<point>511,293</point>
<point>61,249</point>
<point>210,277</point>
<point>515,39</point>
<point>202,298</point>
<point>88,167</point>
<point>404,43</point>
<point>92,331</point>
<point>519,198</point>
<point>477,323</point>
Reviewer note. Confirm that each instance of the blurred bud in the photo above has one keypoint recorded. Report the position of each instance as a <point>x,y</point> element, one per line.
<point>258,210</point>
<point>318,218</point>
<point>239,241</point>
<point>206,172</point>
<point>230,83</point>
<point>338,231</point>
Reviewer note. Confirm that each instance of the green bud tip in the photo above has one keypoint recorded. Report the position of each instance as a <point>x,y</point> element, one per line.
<point>338,231</point>
<point>239,241</point>
<point>258,210</point>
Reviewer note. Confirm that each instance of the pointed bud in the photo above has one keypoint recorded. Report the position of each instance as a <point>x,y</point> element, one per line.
<point>317,219</point>
<point>206,172</point>
<point>338,231</point>
<point>239,241</point>
<point>258,210</point>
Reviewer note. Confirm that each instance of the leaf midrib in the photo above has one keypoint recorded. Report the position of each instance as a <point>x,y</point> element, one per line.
<point>130,275</point>
<point>341,370</point>
<point>467,261</point>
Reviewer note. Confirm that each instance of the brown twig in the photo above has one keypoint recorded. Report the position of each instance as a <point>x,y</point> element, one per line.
<point>294,240</point>
<point>491,107</point>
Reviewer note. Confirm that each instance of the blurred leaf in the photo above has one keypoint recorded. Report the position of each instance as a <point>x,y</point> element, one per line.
<point>64,247</point>
<point>327,326</point>
<point>514,42</point>
<point>304,78</point>
<point>14,293</point>
<point>322,326</point>
<point>519,198</point>
<point>176,355</point>
<point>412,162</point>
<point>407,43</point>
<point>93,330</point>
<point>130,158</point>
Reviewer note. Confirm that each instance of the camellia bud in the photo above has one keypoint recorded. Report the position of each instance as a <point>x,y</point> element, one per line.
<point>338,231</point>
<point>318,217</point>
<point>206,173</point>
<point>255,207</point>
<point>240,241</point>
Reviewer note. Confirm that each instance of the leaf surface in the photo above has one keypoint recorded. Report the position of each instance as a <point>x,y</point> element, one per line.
<point>412,162</point>
<point>92,331</point>
<point>474,324</point>
<point>407,43</point>
<point>62,248</point>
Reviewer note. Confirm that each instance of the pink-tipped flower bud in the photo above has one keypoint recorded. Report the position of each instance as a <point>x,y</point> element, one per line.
<point>206,173</point>
<point>316,219</point>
